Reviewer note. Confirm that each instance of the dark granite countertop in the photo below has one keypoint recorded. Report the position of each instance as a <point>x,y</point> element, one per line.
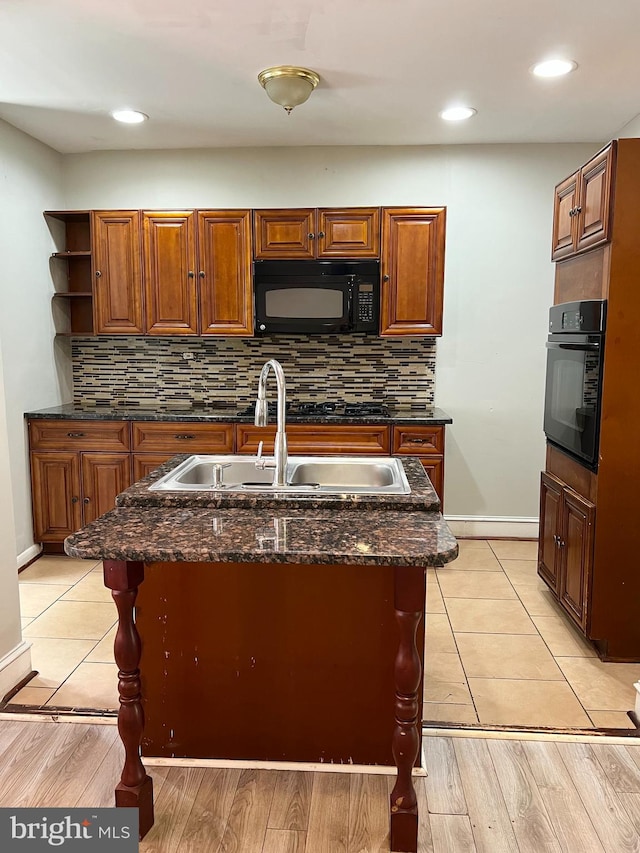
<point>422,498</point>
<point>264,535</point>
<point>230,414</point>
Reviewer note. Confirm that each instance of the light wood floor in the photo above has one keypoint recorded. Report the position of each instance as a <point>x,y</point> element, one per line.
<point>490,796</point>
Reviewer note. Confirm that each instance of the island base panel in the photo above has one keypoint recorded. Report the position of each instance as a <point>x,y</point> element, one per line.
<point>270,661</point>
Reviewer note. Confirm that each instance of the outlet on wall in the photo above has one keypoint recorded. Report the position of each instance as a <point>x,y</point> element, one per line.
<point>188,356</point>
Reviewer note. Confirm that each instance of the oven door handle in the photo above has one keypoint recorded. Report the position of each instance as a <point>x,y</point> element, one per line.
<point>578,347</point>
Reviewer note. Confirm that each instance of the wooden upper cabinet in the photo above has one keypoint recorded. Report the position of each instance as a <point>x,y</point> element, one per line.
<point>594,200</point>
<point>117,302</point>
<point>348,233</point>
<point>224,274</point>
<point>169,256</point>
<point>582,206</point>
<point>412,267</point>
<point>564,221</point>
<point>284,233</point>
<point>351,232</point>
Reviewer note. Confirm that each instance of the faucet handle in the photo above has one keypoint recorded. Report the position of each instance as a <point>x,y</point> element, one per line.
<point>260,461</point>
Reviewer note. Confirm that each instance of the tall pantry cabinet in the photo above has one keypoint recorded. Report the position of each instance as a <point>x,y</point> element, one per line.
<point>588,520</point>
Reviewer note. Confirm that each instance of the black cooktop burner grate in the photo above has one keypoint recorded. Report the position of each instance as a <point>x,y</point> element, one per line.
<point>321,409</point>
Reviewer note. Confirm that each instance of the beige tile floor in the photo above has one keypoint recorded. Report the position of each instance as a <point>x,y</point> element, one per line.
<point>498,650</point>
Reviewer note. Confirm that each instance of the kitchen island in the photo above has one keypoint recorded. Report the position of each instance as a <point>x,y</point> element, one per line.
<point>285,630</point>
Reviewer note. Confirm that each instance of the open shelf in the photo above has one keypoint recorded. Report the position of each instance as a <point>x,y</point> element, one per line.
<point>71,271</point>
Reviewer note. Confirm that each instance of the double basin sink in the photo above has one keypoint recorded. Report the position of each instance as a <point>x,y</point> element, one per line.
<point>328,475</point>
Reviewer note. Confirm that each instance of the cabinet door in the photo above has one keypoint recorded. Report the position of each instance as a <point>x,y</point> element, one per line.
<point>412,271</point>
<point>171,296</point>
<point>594,200</point>
<point>434,467</point>
<point>224,251</point>
<point>284,233</point>
<point>55,482</point>
<point>104,475</point>
<point>349,233</point>
<point>550,528</point>
<point>117,273</point>
<point>576,549</point>
<point>145,463</point>
<point>563,240</point>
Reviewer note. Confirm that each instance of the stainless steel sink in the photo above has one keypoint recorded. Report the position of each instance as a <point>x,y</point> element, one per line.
<point>329,475</point>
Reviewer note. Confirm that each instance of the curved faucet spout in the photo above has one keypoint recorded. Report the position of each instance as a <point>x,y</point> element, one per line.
<point>262,418</point>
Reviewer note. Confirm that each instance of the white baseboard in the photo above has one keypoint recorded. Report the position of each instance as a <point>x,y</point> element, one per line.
<point>493,528</point>
<point>28,555</point>
<point>15,666</point>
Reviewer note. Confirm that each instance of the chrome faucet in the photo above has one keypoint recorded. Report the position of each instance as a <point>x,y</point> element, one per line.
<point>279,461</point>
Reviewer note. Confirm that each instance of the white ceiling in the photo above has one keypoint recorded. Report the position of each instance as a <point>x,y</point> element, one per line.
<point>387,67</point>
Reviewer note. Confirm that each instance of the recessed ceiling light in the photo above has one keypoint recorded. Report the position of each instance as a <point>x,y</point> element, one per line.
<point>554,67</point>
<point>457,113</point>
<point>129,116</point>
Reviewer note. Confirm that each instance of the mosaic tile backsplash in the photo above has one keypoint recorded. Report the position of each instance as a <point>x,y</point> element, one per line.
<point>169,371</point>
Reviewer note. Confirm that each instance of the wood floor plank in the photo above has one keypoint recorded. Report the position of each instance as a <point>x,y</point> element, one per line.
<point>368,819</point>
<point>329,814</point>
<point>631,803</point>
<point>531,824</point>
<point>490,822</point>
<point>425,840</point>
<point>445,794</point>
<point>567,813</point>
<point>172,807</point>
<point>9,731</point>
<point>27,769</point>
<point>621,769</point>
<point>99,787</point>
<point>634,753</point>
<point>284,841</point>
<point>247,824</point>
<point>210,811</point>
<point>452,834</point>
<point>291,801</point>
<point>610,819</point>
<point>64,783</point>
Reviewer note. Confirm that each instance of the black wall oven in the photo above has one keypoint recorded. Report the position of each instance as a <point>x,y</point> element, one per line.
<point>575,353</point>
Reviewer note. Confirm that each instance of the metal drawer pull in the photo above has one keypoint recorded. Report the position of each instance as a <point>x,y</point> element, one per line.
<point>75,434</point>
<point>419,441</point>
<point>184,436</point>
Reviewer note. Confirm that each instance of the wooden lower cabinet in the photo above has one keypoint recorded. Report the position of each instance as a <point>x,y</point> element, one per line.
<point>427,443</point>
<point>71,489</point>
<point>565,553</point>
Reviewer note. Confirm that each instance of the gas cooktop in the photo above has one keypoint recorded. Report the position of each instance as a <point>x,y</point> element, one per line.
<point>337,408</point>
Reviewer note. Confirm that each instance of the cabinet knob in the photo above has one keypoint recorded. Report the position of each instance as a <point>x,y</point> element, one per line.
<point>86,501</point>
<point>98,273</point>
<point>74,500</point>
<point>577,209</point>
<point>320,234</point>
<point>385,278</point>
<point>311,235</point>
<point>191,274</point>
<point>201,273</point>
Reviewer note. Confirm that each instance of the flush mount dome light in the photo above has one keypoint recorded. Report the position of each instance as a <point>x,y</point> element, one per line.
<point>288,86</point>
<point>457,113</point>
<point>129,116</point>
<point>554,68</point>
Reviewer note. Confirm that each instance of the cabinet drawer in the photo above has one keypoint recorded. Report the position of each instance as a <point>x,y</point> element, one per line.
<point>418,440</point>
<point>303,438</point>
<point>179,437</point>
<point>79,435</point>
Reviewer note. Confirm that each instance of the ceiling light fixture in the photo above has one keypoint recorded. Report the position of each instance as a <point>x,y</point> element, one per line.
<point>457,113</point>
<point>288,86</point>
<point>554,67</point>
<point>129,116</point>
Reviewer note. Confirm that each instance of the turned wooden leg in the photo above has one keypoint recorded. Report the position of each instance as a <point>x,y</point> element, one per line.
<point>135,789</point>
<point>409,597</point>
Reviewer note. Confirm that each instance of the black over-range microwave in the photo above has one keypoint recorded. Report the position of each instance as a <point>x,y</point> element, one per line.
<point>316,297</point>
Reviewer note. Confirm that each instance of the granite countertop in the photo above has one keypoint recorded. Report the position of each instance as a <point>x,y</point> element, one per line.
<point>230,414</point>
<point>266,535</point>
<point>422,498</point>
